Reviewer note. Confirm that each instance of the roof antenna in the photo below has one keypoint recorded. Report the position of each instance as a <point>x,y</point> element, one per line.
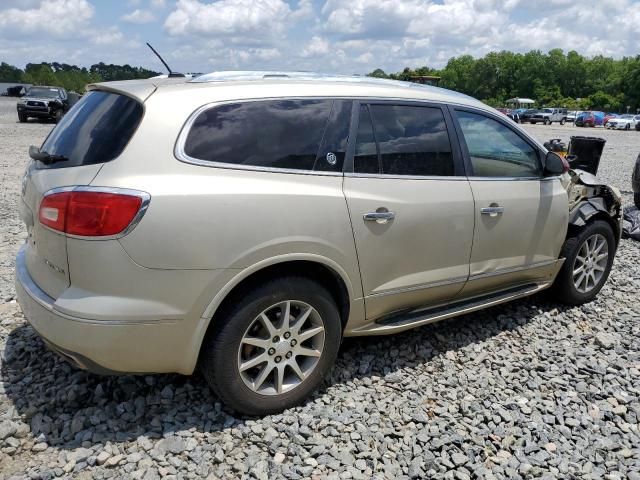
<point>171,73</point>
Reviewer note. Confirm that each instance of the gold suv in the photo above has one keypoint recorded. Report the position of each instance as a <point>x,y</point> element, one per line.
<point>246,222</point>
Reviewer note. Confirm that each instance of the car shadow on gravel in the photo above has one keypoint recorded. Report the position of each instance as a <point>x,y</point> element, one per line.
<point>70,408</point>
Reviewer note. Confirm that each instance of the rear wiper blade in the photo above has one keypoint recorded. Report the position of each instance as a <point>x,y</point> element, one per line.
<point>44,157</point>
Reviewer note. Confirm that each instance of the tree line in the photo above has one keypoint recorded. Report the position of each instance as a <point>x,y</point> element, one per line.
<point>555,78</point>
<point>71,77</point>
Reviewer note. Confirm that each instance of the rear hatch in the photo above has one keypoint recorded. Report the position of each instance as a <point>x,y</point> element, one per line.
<point>96,130</point>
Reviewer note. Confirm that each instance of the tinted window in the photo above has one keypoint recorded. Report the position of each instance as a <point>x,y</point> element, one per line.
<point>495,149</point>
<point>412,140</point>
<point>275,134</point>
<point>95,130</point>
<point>335,138</point>
<point>365,158</point>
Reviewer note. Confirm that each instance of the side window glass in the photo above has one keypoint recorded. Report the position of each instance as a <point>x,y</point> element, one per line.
<point>272,134</point>
<point>496,150</point>
<point>331,155</point>
<point>365,159</point>
<point>413,140</point>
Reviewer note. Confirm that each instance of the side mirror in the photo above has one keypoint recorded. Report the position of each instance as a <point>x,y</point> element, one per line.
<point>555,165</point>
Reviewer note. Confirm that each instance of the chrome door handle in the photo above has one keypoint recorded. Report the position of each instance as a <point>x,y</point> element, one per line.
<point>493,211</point>
<point>380,217</point>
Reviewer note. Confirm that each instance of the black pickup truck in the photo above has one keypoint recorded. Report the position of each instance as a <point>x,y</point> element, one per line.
<point>43,102</point>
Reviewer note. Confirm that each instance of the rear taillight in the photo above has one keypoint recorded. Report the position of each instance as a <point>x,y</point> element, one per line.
<point>91,213</point>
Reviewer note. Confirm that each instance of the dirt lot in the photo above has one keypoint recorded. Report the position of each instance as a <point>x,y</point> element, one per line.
<point>526,390</point>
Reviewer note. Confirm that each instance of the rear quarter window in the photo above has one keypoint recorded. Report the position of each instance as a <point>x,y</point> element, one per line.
<point>280,134</point>
<point>95,130</point>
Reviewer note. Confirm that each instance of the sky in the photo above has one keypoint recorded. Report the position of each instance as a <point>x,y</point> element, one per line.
<point>341,36</point>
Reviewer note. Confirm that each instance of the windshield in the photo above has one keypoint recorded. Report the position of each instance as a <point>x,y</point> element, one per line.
<point>547,110</point>
<point>628,117</point>
<point>43,92</point>
<point>95,130</point>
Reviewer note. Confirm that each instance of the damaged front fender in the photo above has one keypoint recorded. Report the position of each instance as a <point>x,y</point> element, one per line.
<point>590,198</point>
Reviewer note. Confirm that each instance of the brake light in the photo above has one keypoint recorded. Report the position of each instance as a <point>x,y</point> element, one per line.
<point>89,213</point>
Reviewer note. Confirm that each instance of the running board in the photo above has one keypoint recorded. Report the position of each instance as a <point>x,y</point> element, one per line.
<point>398,322</point>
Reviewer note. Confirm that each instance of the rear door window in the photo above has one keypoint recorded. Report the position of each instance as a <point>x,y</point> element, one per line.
<point>95,130</point>
<point>283,134</point>
<point>409,140</point>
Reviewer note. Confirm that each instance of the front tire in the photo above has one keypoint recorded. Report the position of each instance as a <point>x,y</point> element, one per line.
<point>636,199</point>
<point>22,118</point>
<point>547,121</point>
<point>272,347</point>
<point>58,116</point>
<point>627,127</point>
<point>563,121</point>
<point>588,260</point>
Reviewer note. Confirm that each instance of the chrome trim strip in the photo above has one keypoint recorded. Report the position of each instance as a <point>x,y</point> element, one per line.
<point>504,271</point>
<point>144,206</point>
<point>406,177</point>
<point>180,154</point>
<point>511,179</point>
<point>439,283</point>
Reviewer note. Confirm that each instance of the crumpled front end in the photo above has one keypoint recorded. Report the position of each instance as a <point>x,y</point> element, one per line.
<point>589,197</point>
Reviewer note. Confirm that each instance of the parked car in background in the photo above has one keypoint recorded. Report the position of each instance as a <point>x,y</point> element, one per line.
<point>571,115</point>
<point>43,102</point>
<point>526,115</point>
<point>590,119</point>
<point>549,116</point>
<point>308,208</point>
<point>623,122</point>
<point>609,116</point>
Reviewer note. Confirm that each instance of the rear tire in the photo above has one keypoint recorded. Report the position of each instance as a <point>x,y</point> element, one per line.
<point>563,121</point>
<point>240,337</point>
<point>585,270</point>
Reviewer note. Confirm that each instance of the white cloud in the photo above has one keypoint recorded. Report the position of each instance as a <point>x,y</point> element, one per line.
<point>304,10</point>
<point>349,36</point>
<point>228,17</point>
<point>139,16</point>
<point>111,36</point>
<point>56,17</point>
<point>316,47</point>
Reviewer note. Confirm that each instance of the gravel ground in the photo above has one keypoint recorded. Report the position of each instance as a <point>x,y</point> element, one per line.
<point>527,390</point>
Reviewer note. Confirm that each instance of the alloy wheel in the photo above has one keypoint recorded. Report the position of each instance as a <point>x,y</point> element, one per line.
<point>281,347</point>
<point>591,263</point>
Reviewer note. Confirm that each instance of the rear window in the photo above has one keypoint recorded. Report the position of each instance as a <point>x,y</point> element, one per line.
<point>270,134</point>
<point>95,130</point>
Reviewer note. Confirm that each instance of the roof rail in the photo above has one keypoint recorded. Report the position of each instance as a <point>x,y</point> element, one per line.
<point>230,76</point>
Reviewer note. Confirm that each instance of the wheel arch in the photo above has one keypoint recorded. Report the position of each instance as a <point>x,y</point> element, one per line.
<point>588,211</point>
<point>327,272</point>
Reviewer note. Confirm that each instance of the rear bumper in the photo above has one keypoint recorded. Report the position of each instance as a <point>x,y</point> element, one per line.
<point>102,346</point>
